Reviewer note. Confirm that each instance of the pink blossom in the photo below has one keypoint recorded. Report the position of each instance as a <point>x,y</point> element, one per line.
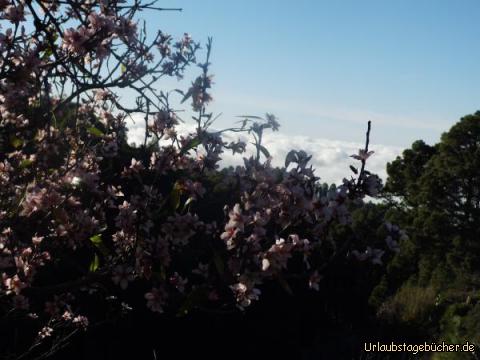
<point>122,275</point>
<point>314,280</point>
<point>229,236</point>
<point>126,28</point>
<point>14,13</point>
<point>100,22</point>
<point>277,256</point>
<point>194,188</point>
<point>136,165</point>
<point>265,264</point>
<point>180,228</point>
<point>39,199</point>
<point>362,155</point>
<point>81,321</point>
<point>45,332</point>
<point>13,284</point>
<point>74,40</point>
<point>237,220</point>
<point>67,315</point>
<point>163,120</point>
<point>126,216</point>
<point>156,299</point>
<point>178,282</point>
<point>244,294</point>
<point>102,95</point>
<point>36,240</point>
<point>4,4</point>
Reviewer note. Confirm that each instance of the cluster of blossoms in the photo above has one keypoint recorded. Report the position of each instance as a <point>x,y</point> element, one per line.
<point>83,214</point>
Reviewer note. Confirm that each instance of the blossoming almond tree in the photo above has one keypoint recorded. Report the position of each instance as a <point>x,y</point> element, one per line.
<point>85,215</point>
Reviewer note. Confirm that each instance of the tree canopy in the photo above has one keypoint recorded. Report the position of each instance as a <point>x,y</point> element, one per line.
<point>433,193</point>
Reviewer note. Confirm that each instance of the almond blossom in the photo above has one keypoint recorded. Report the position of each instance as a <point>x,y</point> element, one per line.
<point>45,332</point>
<point>156,299</point>
<point>362,155</point>
<point>122,275</point>
<point>81,321</point>
<point>245,294</point>
<point>178,282</point>
<point>314,280</point>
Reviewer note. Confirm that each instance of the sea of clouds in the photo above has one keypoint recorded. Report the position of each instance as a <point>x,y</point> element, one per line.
<point>330,158</point>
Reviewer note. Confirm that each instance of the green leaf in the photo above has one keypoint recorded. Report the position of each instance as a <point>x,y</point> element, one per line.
<point>95,132</point>
<point>94,264</point>
<point>98,243</point>
<point>47,53</point>
<point>25,163</point>
<point>286,226</point>
<point>188,202</point>
<point>16,142</point>
<point>96,239</point>
<point>123,68</point>
<point>175,196</point>
<point>53,33</point>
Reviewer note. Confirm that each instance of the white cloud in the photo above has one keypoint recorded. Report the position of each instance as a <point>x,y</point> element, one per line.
<point>330,158</point>
<point>136,130</point>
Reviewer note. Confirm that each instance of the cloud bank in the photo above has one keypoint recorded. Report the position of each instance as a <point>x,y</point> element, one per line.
<point>330,158</point>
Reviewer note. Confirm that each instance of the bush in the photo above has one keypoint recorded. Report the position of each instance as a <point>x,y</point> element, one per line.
<point>411,306</point>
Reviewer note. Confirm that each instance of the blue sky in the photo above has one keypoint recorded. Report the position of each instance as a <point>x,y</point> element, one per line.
<point>326,67</point>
